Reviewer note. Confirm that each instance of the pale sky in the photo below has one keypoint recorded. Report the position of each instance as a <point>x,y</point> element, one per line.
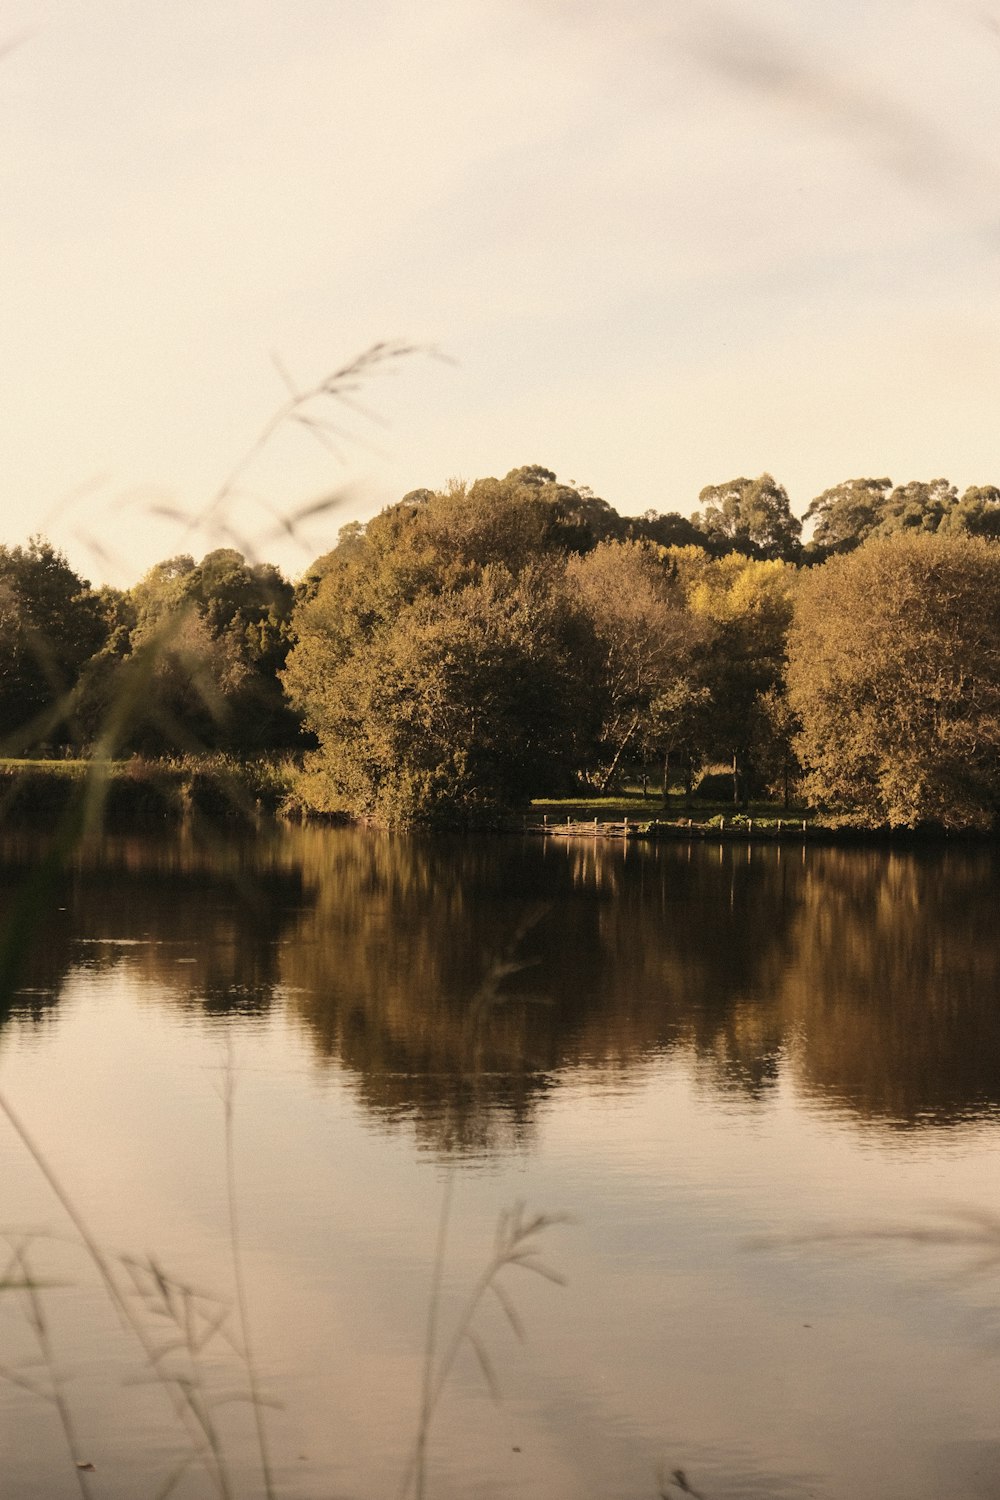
<point>662,242</point>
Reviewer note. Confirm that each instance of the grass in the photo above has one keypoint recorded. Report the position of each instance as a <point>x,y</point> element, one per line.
<point>144,793</point>
<point>614,809</point>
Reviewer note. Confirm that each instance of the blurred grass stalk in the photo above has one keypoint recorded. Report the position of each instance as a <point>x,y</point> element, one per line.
<point>75,801</point>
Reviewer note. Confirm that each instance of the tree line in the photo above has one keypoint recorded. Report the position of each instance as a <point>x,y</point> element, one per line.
<point>472,647</point>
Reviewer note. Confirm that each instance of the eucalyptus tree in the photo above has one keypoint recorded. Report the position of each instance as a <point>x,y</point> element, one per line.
<point>977,512</point>
<point>752,516</point>
<point>920,505</point>
<point>844,515</point>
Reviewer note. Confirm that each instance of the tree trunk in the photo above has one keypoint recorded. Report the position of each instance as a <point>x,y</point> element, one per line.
<point>618,754</point>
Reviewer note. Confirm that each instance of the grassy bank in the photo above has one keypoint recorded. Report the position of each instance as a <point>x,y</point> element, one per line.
<point>142,793</point>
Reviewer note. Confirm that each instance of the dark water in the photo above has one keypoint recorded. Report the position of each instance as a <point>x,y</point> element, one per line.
<point>763,1085</point>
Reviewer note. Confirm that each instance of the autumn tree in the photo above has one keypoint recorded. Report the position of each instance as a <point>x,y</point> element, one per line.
<point>745,608</point>
<point>645,638</point>
<point>894,671</point>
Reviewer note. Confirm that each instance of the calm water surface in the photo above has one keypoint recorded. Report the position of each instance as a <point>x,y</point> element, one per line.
<point>762,1084</point>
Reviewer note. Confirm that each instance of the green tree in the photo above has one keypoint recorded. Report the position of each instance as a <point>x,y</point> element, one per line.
<point>461,705</point>
<point>199,649</point>
<point>751,515</point>
<point>977,513</point>
<point>438,652</point>
<point>51,624</point>
<point>669,529</point>
<point>920,505</point>
<point>894,671</point>
<point>848,513</point>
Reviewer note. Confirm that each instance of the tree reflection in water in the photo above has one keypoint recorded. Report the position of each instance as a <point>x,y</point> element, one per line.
<point>866,978</point>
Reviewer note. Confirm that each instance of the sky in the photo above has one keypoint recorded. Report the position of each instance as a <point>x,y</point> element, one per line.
<point>650,244</point>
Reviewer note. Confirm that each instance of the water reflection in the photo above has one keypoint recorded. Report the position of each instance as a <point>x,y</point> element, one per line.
<point>865,978</point>
<point>198,918</point>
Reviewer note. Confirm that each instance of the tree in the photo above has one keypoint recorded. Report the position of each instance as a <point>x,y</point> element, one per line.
<point>977,513</point>
<point>745,605</point>
<point>645,637</point>
<point>920,505</point>
<point>851,512</point>
<point>752,515</point>
<point>195,661</point>
<point>438,653</point>
<point>894,670</point>
<point>51,624</point>
<point>669,529</point>
<point>461,705</point>
<point>848,513</point>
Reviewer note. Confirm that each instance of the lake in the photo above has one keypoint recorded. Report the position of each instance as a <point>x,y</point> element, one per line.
<point>755,1087</point>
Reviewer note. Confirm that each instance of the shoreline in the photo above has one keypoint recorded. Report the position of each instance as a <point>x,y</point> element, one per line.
<point>139,795</point>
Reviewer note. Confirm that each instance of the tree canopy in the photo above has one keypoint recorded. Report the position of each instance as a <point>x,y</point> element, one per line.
<point>51,624</point>
<point>438,656</point>
<point>471,647</point>
<point>752,515</point>
<point>894,671</point>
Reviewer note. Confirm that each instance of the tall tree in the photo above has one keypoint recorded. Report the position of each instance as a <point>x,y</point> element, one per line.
<point>920,505</point>
<point>751,515</point>
<point>848,513</point>
<point>977,512</point>
<point>669,529</point>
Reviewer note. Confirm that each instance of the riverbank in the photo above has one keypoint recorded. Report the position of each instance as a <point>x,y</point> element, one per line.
<point>141,793</point>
